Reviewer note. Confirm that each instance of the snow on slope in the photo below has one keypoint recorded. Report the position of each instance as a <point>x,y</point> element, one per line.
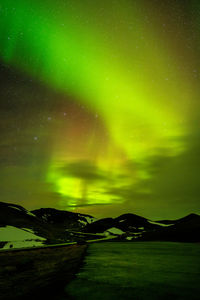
<point>112,231</point>
<point>160,224</point>
<point>19,238</point>
<point>90,219</point>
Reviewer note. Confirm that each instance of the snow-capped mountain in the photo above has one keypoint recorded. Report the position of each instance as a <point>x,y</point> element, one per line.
<point>48,225</point>
<point>134,227</point>
<point>63,218</point>
<point>21,228</point>
<point>126,223</point>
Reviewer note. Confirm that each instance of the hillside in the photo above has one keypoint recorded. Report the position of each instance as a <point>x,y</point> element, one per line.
<point>53,226</point>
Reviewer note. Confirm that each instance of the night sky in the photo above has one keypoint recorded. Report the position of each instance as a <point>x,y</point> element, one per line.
<point>99,106</point>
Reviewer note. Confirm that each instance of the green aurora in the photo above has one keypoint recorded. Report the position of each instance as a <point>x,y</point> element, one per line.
<point>109,118</point>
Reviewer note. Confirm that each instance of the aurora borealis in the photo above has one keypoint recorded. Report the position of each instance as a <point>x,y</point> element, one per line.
<point>100,106</point>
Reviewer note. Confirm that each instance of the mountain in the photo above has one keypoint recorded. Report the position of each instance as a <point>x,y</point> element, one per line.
<point>134,227</point>
<point>185,229</point>
<point>62,218</point>
<point>188,218</point>
<point>18,216</point>
<point>127,223</point>
<point>53,226</point>
<point>100,226</point>
<point>47,224</point>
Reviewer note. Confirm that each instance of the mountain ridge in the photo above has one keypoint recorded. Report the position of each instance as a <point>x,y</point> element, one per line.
<point>54,226</point>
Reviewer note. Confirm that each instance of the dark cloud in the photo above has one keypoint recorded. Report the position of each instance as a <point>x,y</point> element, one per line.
<point>171,187</point>
<point>178,177</point>
<point>132,192</point>
<point>83,169</point>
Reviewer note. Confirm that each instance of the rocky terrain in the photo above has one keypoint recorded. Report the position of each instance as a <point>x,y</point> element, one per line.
<point>38,273</point>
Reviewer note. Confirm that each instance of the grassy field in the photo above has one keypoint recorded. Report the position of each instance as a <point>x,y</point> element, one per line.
<point>143,270</point>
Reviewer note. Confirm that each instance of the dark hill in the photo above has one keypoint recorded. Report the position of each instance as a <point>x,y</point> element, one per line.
<point>52,224</point>
<point>17,216</point>
<point>100,225</point>
<point>58,226</point>
<point>63,218</point>
<point>185,229</point>
<point>191,217</point>
<point>126,222</point>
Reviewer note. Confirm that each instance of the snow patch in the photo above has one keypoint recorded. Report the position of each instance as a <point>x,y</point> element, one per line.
<point>14,207</point>
<point>30,214</point>
<point>115,230</point>
<point>22,210</point>
<point>23,244</point>
<point>83,222</point>
<point>90,220</point>
<point>160,224</point>
<point>28,229</point>
<point>11,233</point>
